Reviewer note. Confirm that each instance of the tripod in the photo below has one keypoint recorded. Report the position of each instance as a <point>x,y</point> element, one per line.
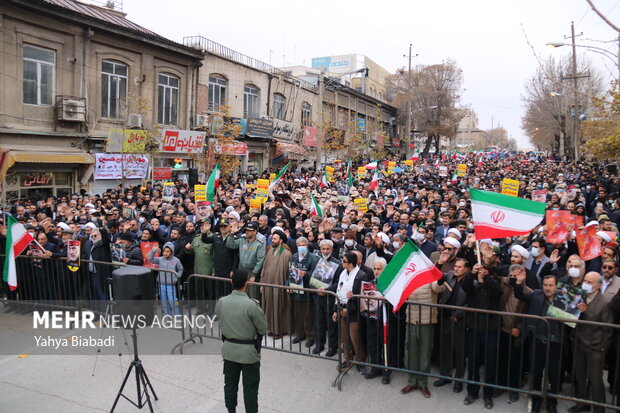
<point>142,380</point>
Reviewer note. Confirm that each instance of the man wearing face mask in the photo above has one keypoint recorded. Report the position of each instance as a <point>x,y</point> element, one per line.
<point>592,341</point>
<point>538,257</point>
<point>350,244</point>
<point>302,265</point>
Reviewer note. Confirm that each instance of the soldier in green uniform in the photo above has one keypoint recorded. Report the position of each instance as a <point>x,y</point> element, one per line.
<point>242,324</point>
<point>251,252</point>
<point>203,290</point>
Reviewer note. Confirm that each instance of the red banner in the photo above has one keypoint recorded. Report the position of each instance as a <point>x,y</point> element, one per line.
<point>310,136</point>
<point>146,248</point>
<point>588,243</point>
<point>162,174</point>
<point>559,225</point>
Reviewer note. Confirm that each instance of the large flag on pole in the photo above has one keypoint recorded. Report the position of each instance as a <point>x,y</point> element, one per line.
<point>315,208</point>
<point>349,174</point>
<point>17,238</point>
<point>406,272</point>
<point>213,183</point>
<point>498,216</point>
<point>278,177</point>
<point>375,181</point>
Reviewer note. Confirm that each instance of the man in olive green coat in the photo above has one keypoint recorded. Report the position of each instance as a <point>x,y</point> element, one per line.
<point>242,324</point>
<point>203,264</point>
<point>251,252</point>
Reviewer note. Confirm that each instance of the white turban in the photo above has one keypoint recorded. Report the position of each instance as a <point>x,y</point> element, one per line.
<point>384,237</point>
<point>604,236</point>
<point>589,224</point>
<point>455,232</point>
<point>521,251</point>
<point>64,226</point>
<point>235,215</point>
<point>455,243</point>
<point>91,225</point>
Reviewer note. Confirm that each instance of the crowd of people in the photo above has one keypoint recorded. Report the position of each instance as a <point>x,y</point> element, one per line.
<point>339,250</point>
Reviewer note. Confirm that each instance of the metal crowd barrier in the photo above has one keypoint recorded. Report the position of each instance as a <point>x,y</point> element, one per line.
<point>291,312</point>
<point>470,346</point>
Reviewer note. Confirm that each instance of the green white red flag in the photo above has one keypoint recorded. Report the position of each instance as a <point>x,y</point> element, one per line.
<point>278,177</point>
<point>17,239</point>
<point>213,183</point>
<point>375,181</point>
<point>409,270</point>
<point>349,174</point>
<point>324,181</point>
<point>497,215</point>
<point>315,208</point>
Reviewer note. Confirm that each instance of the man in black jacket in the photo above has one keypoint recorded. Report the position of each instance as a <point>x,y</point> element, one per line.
<point>133,255</point>
<point>97,248</point>
<point>225,260</point>
<point>484,292</point>
<point>538,304</point>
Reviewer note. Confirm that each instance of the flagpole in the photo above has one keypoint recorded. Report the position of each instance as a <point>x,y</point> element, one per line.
<point>385,334</point>
<point>478,252</point>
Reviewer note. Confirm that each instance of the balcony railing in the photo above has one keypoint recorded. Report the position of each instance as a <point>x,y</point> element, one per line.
<point>209,46</point>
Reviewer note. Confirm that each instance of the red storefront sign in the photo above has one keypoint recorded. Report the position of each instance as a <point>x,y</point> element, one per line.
<point>162,173</point>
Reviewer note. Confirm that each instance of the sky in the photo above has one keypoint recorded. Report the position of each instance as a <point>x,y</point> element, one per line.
<point>486,38</point>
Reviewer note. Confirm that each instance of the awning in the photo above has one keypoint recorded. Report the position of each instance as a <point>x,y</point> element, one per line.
<point>290,150</point>
<point>40,154</point>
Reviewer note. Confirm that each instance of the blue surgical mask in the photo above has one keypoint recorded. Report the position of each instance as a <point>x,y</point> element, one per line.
<point>303,250</point>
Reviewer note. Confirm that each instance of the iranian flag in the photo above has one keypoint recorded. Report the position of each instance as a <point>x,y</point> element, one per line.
<point>349,174</point>
<point>375,181</point>
<point>213,182</point>
<point>315,208</point>
<point>278,177</point>
<point>406,272</point>
<point>17,238</point>
<point>324,181</point>
<point>498,215</point>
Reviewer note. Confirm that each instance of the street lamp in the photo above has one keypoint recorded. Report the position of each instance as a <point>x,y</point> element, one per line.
<point>615,58</point>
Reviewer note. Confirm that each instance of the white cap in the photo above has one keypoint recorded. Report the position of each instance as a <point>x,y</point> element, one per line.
<point>89,205</point>
<point>235,215</point>
<point>455,243</point>
<point>277,228</point>
<point>604,236</point>
<point>589,224</point>
<point>487,241</point>
<point>230,208</point>
<point>91,225</point>
<point>383,237</point>
<point>455,232</point>
<point>521,251</point>
<point>64,226</point>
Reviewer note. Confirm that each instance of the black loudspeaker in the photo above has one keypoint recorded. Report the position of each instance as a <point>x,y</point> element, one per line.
<point>192,179</point>
<point>134,293</point>
<point>612,169</point>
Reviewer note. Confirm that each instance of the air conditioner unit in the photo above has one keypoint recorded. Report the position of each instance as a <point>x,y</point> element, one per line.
<point>71,109</point>
<point>134,121</point>
<point>200,121</point>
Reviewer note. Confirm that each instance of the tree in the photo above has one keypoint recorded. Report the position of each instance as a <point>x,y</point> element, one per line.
<point>435,93</point>
<point>548,103</point>
<point>220,149</point>
<point>602,132</point>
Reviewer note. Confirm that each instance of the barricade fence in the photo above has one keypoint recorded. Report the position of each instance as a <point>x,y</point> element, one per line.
<point>485,351</point>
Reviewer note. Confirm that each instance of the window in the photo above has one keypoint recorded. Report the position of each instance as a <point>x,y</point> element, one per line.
<point>279,104</point>
<point>251,97</point>
<point>38,75</point>
<point>167,100</point>
<point>113,88</point>
<point>217,93</point>
<point>306,114</point>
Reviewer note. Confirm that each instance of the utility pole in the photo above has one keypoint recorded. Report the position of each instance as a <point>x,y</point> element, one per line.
<point>408,123</point>
<point>319,135</point>
<point>575,114</point>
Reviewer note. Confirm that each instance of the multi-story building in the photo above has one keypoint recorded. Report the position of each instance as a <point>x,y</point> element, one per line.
<point>272,106</point>
<point>370,79</point>
<point>468,135</point>
<point>68,72</point>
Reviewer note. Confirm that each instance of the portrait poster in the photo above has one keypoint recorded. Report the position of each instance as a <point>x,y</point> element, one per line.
<point>323,274</point>
<point>145,248</point>
<point>73,255</point>
<point>559,226</point>
<point>588,243</point>
<point>565,301</point>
